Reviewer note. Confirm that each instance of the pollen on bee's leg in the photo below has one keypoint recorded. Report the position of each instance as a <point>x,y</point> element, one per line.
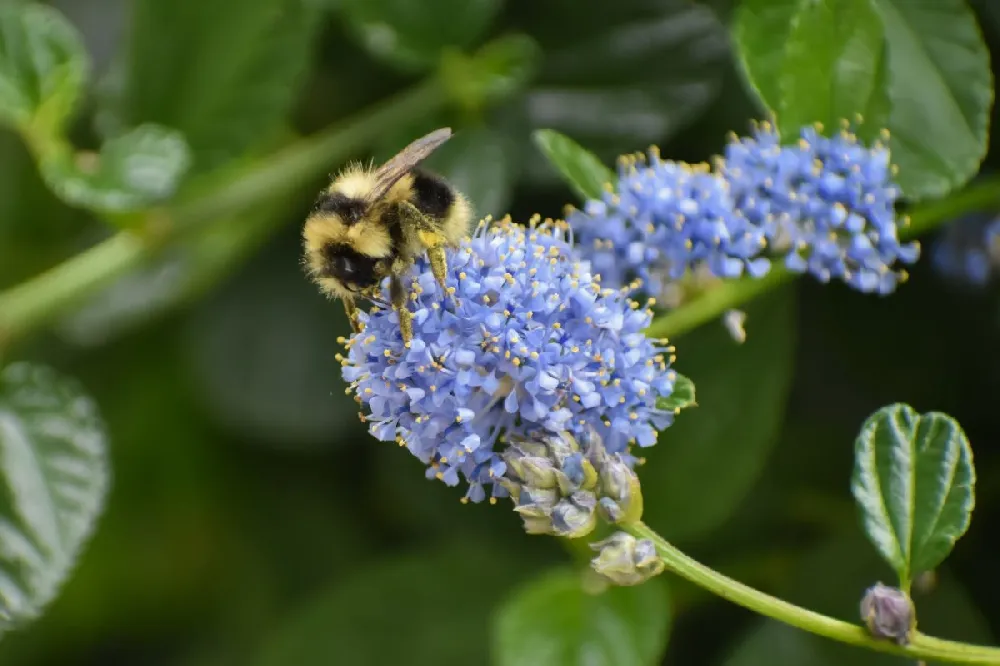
<point>405,324</point>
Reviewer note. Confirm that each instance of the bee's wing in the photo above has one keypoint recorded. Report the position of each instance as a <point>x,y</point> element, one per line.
<point>389,173</point>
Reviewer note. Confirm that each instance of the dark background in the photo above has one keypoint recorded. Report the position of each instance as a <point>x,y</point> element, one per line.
<point>253,520</point>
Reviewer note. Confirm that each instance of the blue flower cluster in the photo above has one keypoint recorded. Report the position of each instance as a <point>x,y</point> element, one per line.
<point>828,201</point>
<point>664,219</point>
<point>824,203</point>
<point>968,249</point>
<point>527,343</point>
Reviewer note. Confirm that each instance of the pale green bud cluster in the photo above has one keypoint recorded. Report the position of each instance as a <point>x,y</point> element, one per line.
<point>560,487</point>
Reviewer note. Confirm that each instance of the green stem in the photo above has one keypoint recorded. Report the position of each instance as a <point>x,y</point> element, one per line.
<point>712,303</point>
<point>921,647</point>
<point>39,300</point>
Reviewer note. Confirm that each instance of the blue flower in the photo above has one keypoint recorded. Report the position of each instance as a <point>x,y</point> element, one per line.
<point>968,249</point>
<point>527,343</point>
<point>826,201</point>
<point>665,219</point>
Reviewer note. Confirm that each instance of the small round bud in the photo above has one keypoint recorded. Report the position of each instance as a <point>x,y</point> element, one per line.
<point>620,484</point>
<point>625,560</point>
<point>537,472</point>
<point>610,511</point>
<point>575,515</point>
<point>888,613</point>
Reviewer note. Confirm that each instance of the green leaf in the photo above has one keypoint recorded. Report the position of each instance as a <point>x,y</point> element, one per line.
<point>682,396</point>
<point>131,171</point>
<point>833,55</point>
<point>705,464</point>
<point>43,67</point>
<point>413,36</point>
<point>578,167</point>
<point>223,73</point>
<point>554,620</point>
<point>760,29</point>
<point>441,602</point>
<point>831,580</point>
<point>914,484</point>
<point>929,83</point>
<point>940,87</point>
<point>53,460</point>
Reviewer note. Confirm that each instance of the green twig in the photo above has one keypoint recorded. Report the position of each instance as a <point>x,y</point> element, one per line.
<point>712,303</point>
<point>39,300</point>
<point>921,647</point>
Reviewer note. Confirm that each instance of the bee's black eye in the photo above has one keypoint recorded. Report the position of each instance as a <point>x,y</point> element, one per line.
<point>350,266</point>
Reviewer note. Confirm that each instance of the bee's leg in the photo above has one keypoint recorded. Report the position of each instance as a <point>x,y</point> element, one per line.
<point>432,239</point>
<point>397,295</point>
<point>352,314</point>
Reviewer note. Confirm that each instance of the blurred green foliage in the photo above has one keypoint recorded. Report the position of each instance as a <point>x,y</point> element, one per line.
<point>252,520</point>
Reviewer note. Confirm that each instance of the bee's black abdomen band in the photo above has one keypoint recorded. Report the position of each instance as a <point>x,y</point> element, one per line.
<point>348,209</point>
<point>431,195</point>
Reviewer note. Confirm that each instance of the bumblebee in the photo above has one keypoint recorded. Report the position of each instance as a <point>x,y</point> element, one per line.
<point>372,223</point>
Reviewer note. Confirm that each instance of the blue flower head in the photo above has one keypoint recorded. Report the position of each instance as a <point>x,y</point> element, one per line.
<point>526,343</point>
<point>826,201</point>
<point>968,249</point>
<point>664,219</point>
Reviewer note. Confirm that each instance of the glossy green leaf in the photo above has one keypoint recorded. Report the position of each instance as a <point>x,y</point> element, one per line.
<point>223,73</point>
<point>940,87</point>
<point>132,171</point>
<point>581,170</point>
<point>760,29</point>
<point>437,603</point>
<point>555,620</point>
<point>705,464</point>
<point>682,396</point>
<point>55,473</point>
<point>43,67</point>
<point>412,35</point>
<point>831,580</point>
<point>914,484</point>
<point>833,55</point>
<point>929,83</point>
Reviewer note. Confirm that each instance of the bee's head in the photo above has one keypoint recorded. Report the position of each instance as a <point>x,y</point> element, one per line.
<point>350,267</point>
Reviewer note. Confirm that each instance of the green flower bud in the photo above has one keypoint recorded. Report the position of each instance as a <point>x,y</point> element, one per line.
<point>575,515</point>
<point>537,472</point>
<point>536,501</point>
<point>562,446</point>
<point>625,560</point>
<point>620,484</point>
<point>888,613</point>
<point>576,473</point>
<point>609,510</point>
<point>512,487</point>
